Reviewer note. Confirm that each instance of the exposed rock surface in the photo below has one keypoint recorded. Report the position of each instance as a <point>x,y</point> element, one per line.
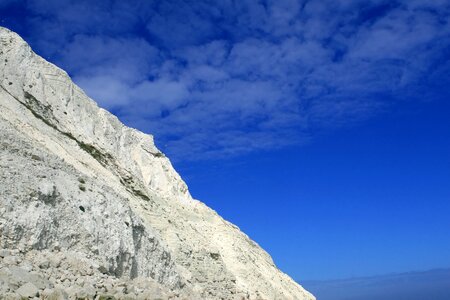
<point>91,208</point>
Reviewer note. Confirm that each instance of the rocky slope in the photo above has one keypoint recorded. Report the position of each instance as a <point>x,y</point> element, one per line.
<point>79,187</point>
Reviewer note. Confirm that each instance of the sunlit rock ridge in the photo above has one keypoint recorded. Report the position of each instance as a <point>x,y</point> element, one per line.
<point>91,208</point>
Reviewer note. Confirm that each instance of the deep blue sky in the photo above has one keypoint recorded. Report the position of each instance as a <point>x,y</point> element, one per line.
<point>321,128</point>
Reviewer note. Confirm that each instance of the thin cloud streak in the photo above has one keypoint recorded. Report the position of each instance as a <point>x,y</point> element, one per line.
<point>433,284</point>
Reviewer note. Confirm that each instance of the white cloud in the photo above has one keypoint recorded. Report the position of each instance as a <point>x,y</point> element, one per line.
<point>109,91</point>
<point>230,77</point>
<point>160,94</point>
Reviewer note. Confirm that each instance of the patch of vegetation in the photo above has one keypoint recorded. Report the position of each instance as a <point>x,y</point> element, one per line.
<point>103,158</point>
<point>106,297</point>
<point>35,157</point>
<point>130,185</point>
<point>44,111</point>
<point>139,194</point>
<point>159,154</point>
<point>28,105</point>
<point>214,256</point>
<point>82,188</point>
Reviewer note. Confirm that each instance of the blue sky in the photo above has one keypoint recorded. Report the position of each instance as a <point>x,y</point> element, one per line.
<point>321,128</point>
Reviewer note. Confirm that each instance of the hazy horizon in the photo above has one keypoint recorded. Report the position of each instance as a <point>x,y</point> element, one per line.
<point>418,285</point>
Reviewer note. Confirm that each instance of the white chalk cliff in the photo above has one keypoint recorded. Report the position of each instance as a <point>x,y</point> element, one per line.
<point>78,186</point>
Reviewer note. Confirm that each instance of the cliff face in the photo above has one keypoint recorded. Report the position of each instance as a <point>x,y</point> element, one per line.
<point>75,181</point>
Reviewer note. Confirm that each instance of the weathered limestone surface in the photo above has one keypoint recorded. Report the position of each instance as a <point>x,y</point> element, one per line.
<point>76,183</point>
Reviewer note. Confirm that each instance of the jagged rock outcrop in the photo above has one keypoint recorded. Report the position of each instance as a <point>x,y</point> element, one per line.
<point>76,182</point>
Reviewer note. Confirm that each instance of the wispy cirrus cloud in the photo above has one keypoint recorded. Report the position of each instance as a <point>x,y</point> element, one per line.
<point>221,78</point>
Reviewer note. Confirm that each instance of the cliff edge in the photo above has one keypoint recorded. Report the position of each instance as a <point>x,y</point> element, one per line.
<point>91,208</point>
